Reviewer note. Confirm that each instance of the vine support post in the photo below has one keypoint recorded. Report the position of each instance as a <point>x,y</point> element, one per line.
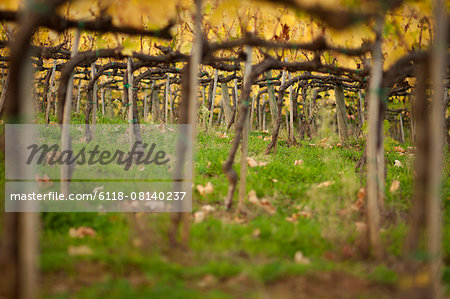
<point>78,96</point>
<point>226,102</point>
<point>341,113</point>
<point>102,93</point>
<point>401,128</point>
<point>66,142</point>
<point>263,112</point>
<point>145,106</point>
<point>213,99</point>
<point>94,100</point>
<point>166,99</point>
<point>188,136</point>
<point>252,112</point>
<point>244,149</point>
<point>360,110</point>
<point>130,100</point>
<point>50,91</point>
<point>434,216</point>
<point>373,210</point>
<point>291,114</point>
<point>4,86</point>
<point>272,99</point>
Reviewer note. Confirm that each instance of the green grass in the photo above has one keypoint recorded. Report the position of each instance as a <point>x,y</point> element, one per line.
<point>257,246</point>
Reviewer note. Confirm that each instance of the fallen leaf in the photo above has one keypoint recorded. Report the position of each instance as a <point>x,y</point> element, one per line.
<point>397,163</point>
<point>208,208</point>
<point>79,250</point>
<point>256,233</point>
<point>137,242</point>
<point>199,216</point>
<point>262,203</point>
<point>207,189</point>
<point>275,180</point>
<point>298,162</point>
<point>252,198</point>
<point>399,149</point>
<point>268,206</point>
<point>267,138</point>
<point>207,281</point>
<point>43,181</point>
<point>361,227</point>
<point>81,232</point>
<point>325,184</point>
<point>299,258</point>
<point>251,162</point>
<point>394,186</point>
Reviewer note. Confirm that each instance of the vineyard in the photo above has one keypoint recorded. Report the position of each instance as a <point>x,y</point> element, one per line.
<point>224,149</point>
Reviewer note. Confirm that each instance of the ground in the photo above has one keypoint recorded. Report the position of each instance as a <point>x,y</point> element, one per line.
<point>318,211</point>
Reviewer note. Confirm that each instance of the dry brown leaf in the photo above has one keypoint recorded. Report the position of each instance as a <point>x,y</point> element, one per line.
<point>208,208</point>
<point>207,189</point>
<point>207,281</point>
<point>252,198</point>
<point>394,186</point>
<point>82,232</point>
<point>79,250</point>
<point>263,203</point>
<point>43,181</point>
<point>251,162</point>
<point>399,149</point>
<point>298,162</point>
<point>361,227</point>
<point>268,206</point>
<point>299,258</point>
<point>325,184</point>
<point>256,233</point>
<point>275,180</point>
<point>199,216</point>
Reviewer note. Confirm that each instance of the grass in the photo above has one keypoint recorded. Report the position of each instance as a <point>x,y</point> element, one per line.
<point>236,255</point>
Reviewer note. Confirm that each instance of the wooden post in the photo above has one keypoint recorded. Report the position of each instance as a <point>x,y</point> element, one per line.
<point>341,113</point>
<point>434,211</point>
<point>130,101</point>
<point>401,128</point>
<point>291,113</point>
<point>272,99</point>
<point>373,212</point>
<point>4,86</point>
<point>102,93</point>
<point>145,107</point>
<point>213,99</point>
<point>94,100</point>
<point>243,175</point>
<point>78,96</point>
<point>252,111</point>
<point>66,142</point>
<point>166,100</point>
<point>50,91</point>
<point>226,102</point>
<point>263,111</point>
<point>360,109</point>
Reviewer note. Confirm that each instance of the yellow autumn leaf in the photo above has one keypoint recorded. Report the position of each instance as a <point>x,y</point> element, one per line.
<point>392,55</point>
<point>129,45</point>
